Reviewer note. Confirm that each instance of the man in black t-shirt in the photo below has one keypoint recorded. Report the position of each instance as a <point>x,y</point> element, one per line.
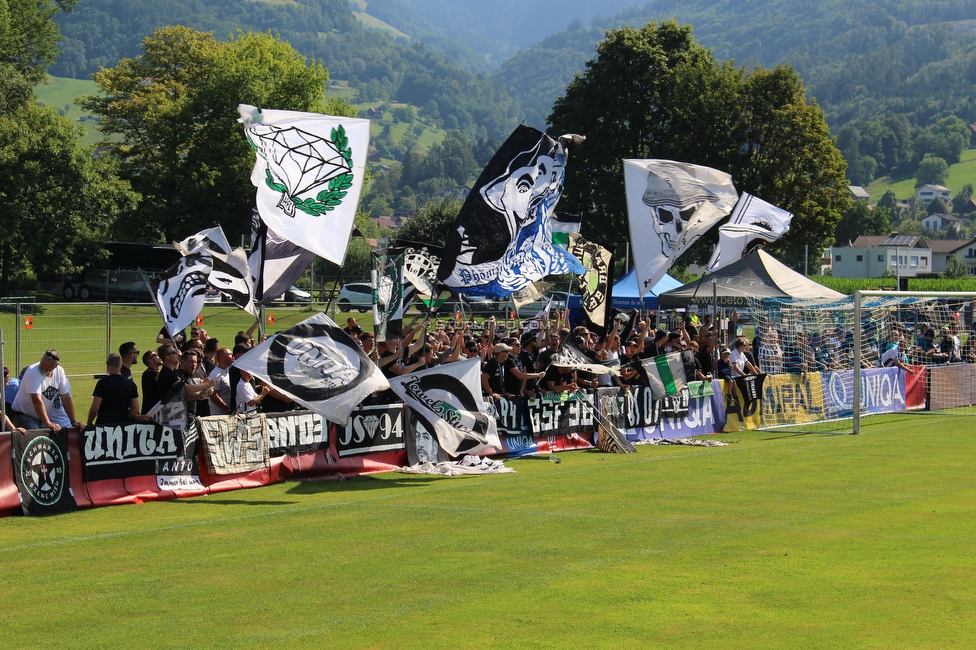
<point>115,398</point>
<point>493,373</point>
<point>150,387</point>
<point>129,352</point>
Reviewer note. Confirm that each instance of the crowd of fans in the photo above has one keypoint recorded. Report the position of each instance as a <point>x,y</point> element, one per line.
<point>515,362</point>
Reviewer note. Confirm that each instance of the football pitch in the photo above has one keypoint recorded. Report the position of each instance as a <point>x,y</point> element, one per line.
<point>775,541</point>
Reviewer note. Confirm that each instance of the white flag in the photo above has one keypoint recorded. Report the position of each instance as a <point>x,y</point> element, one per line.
<point>447,398</point>
<point>317,365</point>
<point>752,219</point>
<point>180,291</point>
<point>230,273</point>
<point>309,174</point>
<point>669,206</point>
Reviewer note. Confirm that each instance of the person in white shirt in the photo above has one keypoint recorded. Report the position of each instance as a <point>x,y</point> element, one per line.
<point>44,397</point>
<point>247,398</point>
<point>740,362</point>
<point>220,400</point>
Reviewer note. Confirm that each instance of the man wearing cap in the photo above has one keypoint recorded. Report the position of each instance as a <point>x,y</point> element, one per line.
<point>493,372</point>
<point>44,398</point>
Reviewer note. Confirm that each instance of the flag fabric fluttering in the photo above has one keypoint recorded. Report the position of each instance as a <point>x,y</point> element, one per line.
<point>669,373</point>
<point>502,239</point>
<point>309,174</point>
<point>564,225</point>
<point>530,293</point>
<point>753,220</point>
<point>275,263</point>
<point>447,399</point>
<point>179,292</point>
<point>230,273</point>
<point>388,286</point>
<point>669,206</point>
<point>594,285</point>
<point>317,365</point>
<point>420,264</point>
<point>570,356</point>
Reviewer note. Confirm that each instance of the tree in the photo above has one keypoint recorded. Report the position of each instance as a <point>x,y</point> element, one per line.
<point>57,201</point>
<point>173,112</point>
<point>655,93</point>
<point>932,171</point>
<point>964,196</point>
<point>859,219</point>
<point>431,224</point>
<point>888,200</point>
<point>955,268</point>
<point>937,206</point>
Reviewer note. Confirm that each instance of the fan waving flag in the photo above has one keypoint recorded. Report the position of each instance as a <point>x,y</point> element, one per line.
<point>502,239</point>
<point>309,174</point>
<point>594,285</point>
<point>669,373</point>
<point>753,220</point>
<point>447,399</point>
<point>230,273</point>
<point>317,365</point>
<point>669,206</point>
<point>388,286</point>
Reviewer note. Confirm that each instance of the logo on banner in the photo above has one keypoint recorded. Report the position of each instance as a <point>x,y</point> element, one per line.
<point>42,469</point>
<point>295,433</point>
<point>374,429</point>
<point>133,449</point>
<point>309,363</point>
<point>419,387</point>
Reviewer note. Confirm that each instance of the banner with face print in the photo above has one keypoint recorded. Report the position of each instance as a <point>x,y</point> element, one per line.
<point>669,206</point>
<point>594,285</point>
<point>179,292</point>
<point>230,273</point>
<point>502,239</point>
<point>447,400</point>
<point>753,221</point>
<point>317,365</point>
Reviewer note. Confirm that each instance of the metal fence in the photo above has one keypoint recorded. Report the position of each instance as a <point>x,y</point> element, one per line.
<point>85,333</point>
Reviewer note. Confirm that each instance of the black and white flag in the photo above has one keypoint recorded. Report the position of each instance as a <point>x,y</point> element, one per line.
<point>594,285</point>
<point>171,410</point>
<point>502,239</point>
<point>40,460</point>
<point>275,263</point>
<point>669,206</point>
<point>570,356</point>
<point>180,291</point>
<point>530,293</point>
<point>753,220</point>
<point>388,286</point>
<point>317,365</point>
<point>447,399</point>
<point>230,273</point>
<point>308,173</point>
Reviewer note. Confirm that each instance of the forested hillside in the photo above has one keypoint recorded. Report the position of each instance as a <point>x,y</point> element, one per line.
<point>100,32</point>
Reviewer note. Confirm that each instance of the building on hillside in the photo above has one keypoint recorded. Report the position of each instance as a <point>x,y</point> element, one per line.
<point>943,249</point>
<point>969,207</point>
<point>386,222</point>
<point>929,192</point>
<point>459,192</point>
<point>858,193</point>
<point>870,256</point>
<point>936,222</point>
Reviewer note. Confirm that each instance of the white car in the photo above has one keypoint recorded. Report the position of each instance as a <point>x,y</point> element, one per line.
<point>355,295</point>
<point>295,295</point>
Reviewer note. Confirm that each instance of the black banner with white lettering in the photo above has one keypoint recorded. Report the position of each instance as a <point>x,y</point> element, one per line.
<point>371,430</point>
<point>131,449</point>
<point>40,460</point>
<point>296,432</point>
<point>558,417</point>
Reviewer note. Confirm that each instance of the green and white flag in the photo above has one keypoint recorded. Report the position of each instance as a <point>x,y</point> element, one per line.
<point>309,173</point>
<point>564,225</point>
<point>669,373</point>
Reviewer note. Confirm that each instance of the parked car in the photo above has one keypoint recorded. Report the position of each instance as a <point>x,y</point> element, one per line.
<point>355,295</point>
<point>295,295</point>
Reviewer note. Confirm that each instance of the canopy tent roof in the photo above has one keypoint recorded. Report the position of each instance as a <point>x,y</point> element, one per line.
<point>758,275</point>
<point>627,296</point>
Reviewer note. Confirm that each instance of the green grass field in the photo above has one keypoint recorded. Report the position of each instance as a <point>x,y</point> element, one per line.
<point>959,174</point>
<point>775,541</point>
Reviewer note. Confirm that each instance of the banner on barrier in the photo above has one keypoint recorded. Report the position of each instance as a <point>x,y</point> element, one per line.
<point>371,430</point>
<point>741,411</point>
<point>236,444</point>
<point>792,399</point>
<point>915,387</point>
<point>296,432</point>
<point>952,386</point>
<point>882,391</point>
<point>40,460</point>
<point>559,418</point>
<point>643,417</point>
<point>131,449</point>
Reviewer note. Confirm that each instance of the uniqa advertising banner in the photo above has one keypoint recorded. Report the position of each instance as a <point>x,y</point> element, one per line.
<point>882,391</point>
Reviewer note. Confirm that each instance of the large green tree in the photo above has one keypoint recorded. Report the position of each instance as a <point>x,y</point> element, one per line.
<point>172,115</point>
<point>859,219</point>
<point>655,93</point>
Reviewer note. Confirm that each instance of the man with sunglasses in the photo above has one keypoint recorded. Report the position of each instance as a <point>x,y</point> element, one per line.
<point>129,352</point>
<point>44,398</point>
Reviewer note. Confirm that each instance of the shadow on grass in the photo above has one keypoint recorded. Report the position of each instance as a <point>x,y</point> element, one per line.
<point>214,499</point>
<point>359,483</point>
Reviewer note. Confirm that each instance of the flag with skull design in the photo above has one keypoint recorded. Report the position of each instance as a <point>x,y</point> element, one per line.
<point>502,239</point>
<point>317,365</point>
<point>670,205</point>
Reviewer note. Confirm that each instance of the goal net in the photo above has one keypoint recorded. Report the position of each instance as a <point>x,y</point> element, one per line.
<point>913,353</point>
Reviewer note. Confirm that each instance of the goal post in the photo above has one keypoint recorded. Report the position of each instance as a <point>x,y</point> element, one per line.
<point>828,364</point>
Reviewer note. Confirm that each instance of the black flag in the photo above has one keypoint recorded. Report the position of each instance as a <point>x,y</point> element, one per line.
<point>40,461</point>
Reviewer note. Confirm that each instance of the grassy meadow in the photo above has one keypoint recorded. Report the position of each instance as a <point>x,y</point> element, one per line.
<point>959,174</point>
<point>775,541</point>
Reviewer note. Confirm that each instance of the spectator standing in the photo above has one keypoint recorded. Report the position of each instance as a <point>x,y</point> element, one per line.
<point>220,401</point>
<point>115,398</point>
<point>44,398</point>
<point>150,387</point>
<point>129,353</point>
